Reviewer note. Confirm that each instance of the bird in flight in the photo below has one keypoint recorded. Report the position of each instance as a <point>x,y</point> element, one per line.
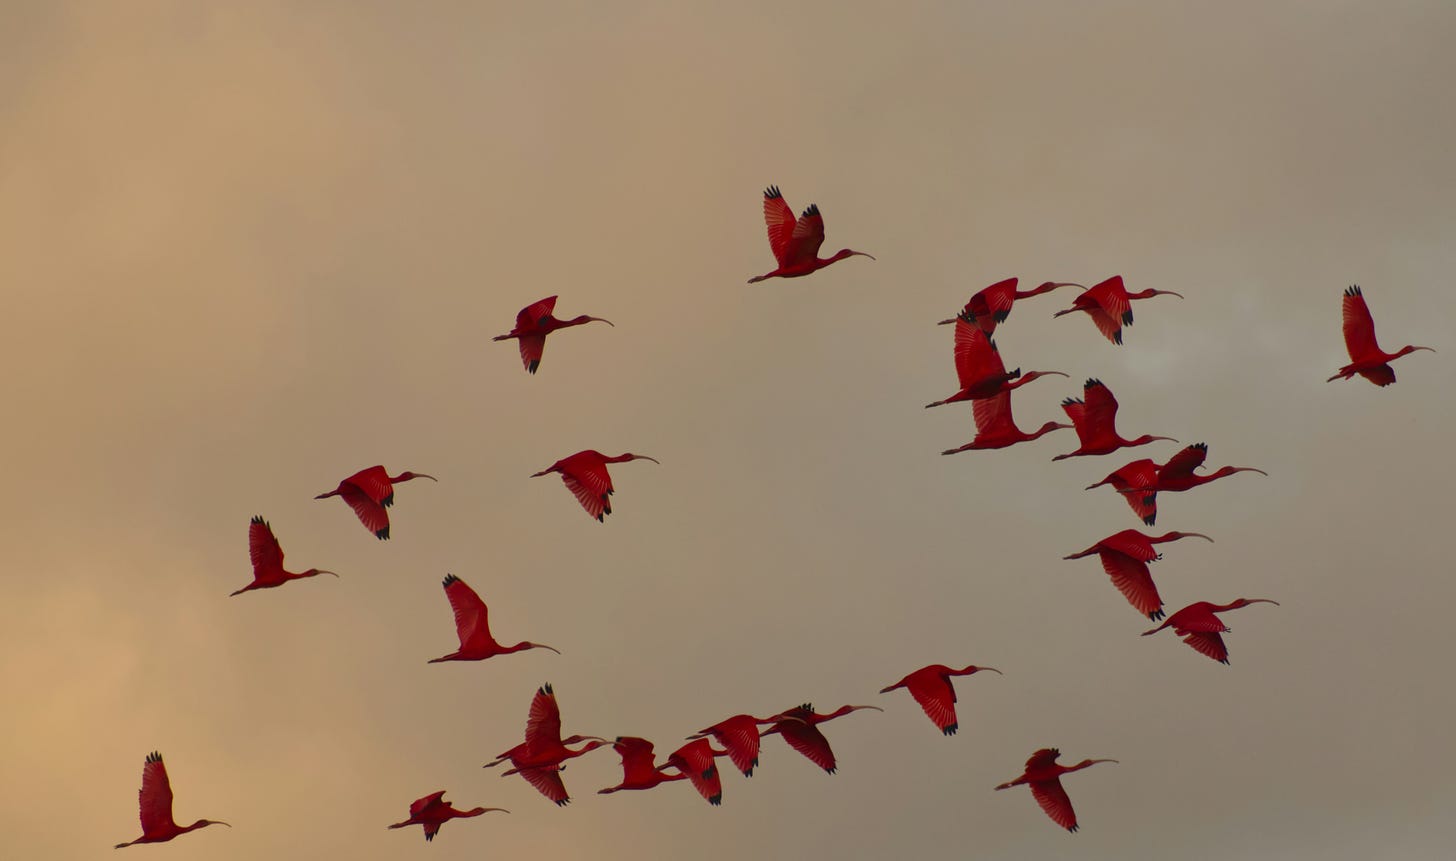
<point>695,759</point>
<point>739,735</point>
<point>932,688</point>
<point>155,799</point>
<point>991,305</point>
<point>795,244</point>
<point>996,429</point>
<point>472,625</point>
<point>1109,306</point>
<point>585,475</point>
<point>1366,357</point>
<point>1201,629</point>
<point>1044,774</point>
<point>538,759</point>
<point>369,492</point>
<point>534,323</point>
<point>1094,416</point>
<point>267,556</point>
<point>639,770</point>
<point>433,810</point>
<point>979,368</point>
<point>800,728</point>
<point>1125,557</point>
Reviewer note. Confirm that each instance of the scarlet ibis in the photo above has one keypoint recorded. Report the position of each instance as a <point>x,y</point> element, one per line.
<point>1201,629</point>
<point>996,429</point>
<point>1132,481</point>
<point>1109,306</point>
<point>1177,474</point>
<point>267,557</point>
<point>932,688</point>
<point>800,728</point>
<point>638,768</point>
<point>433,810</point>
<point>695,759</point>
<point>369,492</point>
<point>1125,557</point>
<point>1043,773</point>
<point>992,305</point>
<point>538,759</point>
<point>155,798</point>
<point>739,735</point>
<point>1366,357</point>
<point>1094,416</point>
<point>795,243</point>
<point>534,323</point>
<point>585,475</point>
<point>979,367</point>
<point>472,625</point>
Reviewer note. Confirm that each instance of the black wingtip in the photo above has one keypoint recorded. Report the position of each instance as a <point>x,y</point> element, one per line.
<point>258,518</point>
<point>450,578</point>
<point>1353,290</point>
<point>811,211</point>
<point>772,192</point>
<point>532,366</point>
<point>951,730</point>
<point>383,534</point>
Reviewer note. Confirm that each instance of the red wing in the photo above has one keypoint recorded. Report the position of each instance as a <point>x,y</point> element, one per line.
<point>472,617</point>
<point>1076,410</point>
<point>999,297</point>
<point>1208,643</point>
<point>1130,542</point>
<point>1132,579</point>
<point>369,512</point>
<point>1138,474</point>
<point>937,698</point>
<point>532,346</point>
<point>1182,464</point>
<point>547,782</point>
<point>810,742</point>
<point>531,315</point>
<point>1380,375</point>
<point>421,805</point>
<point>264,549</point>
<point>155,796</point>
<point>780,220</point>
<point>1053,799</point>
<point>976,358</point>
<point>374,483</point>
<point>1044,758</point>
<point>1111,297</point>
<point>1359,325</point>
<point>543,724</point>
<point>739,735</point>
<point>595,503</point>
<point>637,759</point>
<point>807,237</point>
<point>1101,408</point>
<point>1108,326</point>
<point>993,415</point>
<point>695,759</point>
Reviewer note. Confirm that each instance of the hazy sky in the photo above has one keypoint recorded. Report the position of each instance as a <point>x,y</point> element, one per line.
<point>249,249</point>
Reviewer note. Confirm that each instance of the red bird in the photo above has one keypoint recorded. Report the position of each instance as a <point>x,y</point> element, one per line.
<point>695,759</point>
<point>979,367</point>
<point>1131,481</point>
<point>1109,306</point>
<point>996,429</point>
<point>1125,557</point>
<point>1201,629</point>
<point>931,687</point>
<point>1094,416</point>
<point>585,475</point>
<point>432,811</point>
<point>472,624</point>
<point>1044,775</point>
<point>538,759</point>
<point>795,243</point>
<point>992,305</point>
<point>638,770</point>
<point>369,492</point>
<point>739,735</point>
<point>1366,357</point>
<point>267,557</point>
<point>534,323</point>
<point>800,728</point>
<point>156,806</point>
<point>1177,474</point>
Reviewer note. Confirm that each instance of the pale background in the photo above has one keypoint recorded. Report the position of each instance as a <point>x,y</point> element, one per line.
<point>245,252</point>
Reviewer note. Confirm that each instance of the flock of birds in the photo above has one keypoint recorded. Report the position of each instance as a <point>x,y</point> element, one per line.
<point>984,382</point>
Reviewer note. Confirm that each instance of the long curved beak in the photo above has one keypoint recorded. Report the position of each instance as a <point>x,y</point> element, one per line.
<point>653,459</point>
<point>1198,535</point>
<point>430,477</point>
<point>946,322</point>
<point>990,669</point>
<point>603,320</point>
<point>322,571</point>
<point>862,254</point>
<point>544,646</point>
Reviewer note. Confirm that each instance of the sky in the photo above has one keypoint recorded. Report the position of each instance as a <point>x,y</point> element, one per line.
<point>249,249</point>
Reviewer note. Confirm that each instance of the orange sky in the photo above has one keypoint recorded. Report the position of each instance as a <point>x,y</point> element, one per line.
<point>249,250</point>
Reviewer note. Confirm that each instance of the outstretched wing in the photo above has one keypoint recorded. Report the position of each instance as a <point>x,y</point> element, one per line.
<point>543,724</point>
<point>739,736</point>
<point>637,759</point>
<point>937,698</point>
<point>155,796</point>
<point>809,741</point>
<point>591,485</point>
<point>531,316</point>
<point>1132,543</point>
<point>976,358</point>
<point>1101,408</point>
<point>780,220</point>
<point>472,617</point>
<point>695,759</point>
<point>1359,325</point>
<point>1133,580</point>
<point>423,804</point>
<point>808,235</point>
<point>369,512</point>
<point>374,483</point>
<point>999,298</point>
<point>993,415</point>
<point>532,348</point>
<point>1054,801</point>
<point>1111,297</point>
<point>1208,643</point>
<point>263,547</point>
<point>547,782</point>
<point>1182,464</point>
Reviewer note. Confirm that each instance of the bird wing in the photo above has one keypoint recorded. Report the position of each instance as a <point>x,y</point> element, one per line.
<point>1053,799</point>
<point>976,358</point>
<point>937,698</point>
<point>1111,297</point>
<point>808,235</point>
<point>993,415</point>
<point>999,298</point>
<point>155,796</point>
<point>809,741</point>
<point>637,759</point>
<point>1359,325</point>
<point>1101,408</point>
<point>423,804</point>
<point>543,724</point>
<point>374,483</point>
<point>1380,375</point>
<point>1076,410</point>
<point>1208,643</point>
<point>369,512</point>
<point>739,735</point>
<point>1182,464</point>
<point>531,316</point>
<point>532,347</point>
<point>695,759</point>
<point>591,483</point>
<point>1130,542</point>
<point>1109,327</point>
<point>472,617</point>
<point>1044,758</point>
<point>1136,475</point>
<point>547,782</point>
<point>1132,579</point>
<point>263,547</point>
<point>593,501</point>
<point>780,220</point>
